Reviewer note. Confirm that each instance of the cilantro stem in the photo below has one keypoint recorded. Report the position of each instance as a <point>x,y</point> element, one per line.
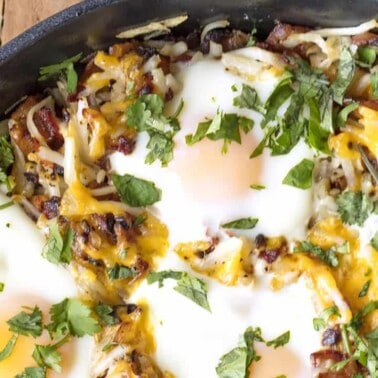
<point>344,336</point>
<point>6,205</point>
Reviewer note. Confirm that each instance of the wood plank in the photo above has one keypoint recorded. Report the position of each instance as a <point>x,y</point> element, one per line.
<point>1,17</point>
<point>19,15</point>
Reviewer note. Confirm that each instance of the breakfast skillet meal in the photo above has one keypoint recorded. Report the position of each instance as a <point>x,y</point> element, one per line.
<point>209,206</point>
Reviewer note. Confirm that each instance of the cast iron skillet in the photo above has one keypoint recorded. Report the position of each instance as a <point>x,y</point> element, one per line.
<point>92,24</point>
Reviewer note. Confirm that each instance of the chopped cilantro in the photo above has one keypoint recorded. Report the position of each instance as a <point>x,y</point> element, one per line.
<point>345,75</point>
<point>321,322</point>
<point>6,205</point>
<point>136,192</point>
<point>241,224</point>
<point>140,219</point>
<point>6,158</point>
<point>364,289</point>
<point>249,99</point>
<point>120,272</point>
<point>329,256</point>
<point>72,317</point>
<point>280,340</point>
<point>65,68</point>
<point>236,362</point>
<point>8,349</point>
<point>354,207</point>
<point>252,37</point>
<point>224,126</point>
<point>191,287</point>
<point>343,114</point>
<point>27,323</point>
<point>300,176</point>
<point>58,250</point>
<point>257,187</point>
<point>32,372</point>
<point>2,285</point>
<point>48,357</point>
<point>146,114</point>
<point>105,313</point>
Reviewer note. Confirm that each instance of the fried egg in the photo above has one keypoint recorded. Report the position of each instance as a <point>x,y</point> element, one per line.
<point>29,281</point>
<point>202,189</point>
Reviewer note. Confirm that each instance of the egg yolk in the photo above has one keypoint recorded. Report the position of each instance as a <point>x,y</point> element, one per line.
<point>21,356</point>
<point>209,175</point>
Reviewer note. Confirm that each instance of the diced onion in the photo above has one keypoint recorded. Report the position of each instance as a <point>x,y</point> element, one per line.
<point>220,24</point>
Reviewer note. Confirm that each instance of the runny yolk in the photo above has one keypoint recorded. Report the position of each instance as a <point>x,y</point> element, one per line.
<point>21,356</point>
<point>209,175</point>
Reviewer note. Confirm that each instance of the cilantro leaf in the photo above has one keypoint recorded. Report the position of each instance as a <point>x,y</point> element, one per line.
<point>6,158</point>
<point>58,250</point>
<point>354,207</point>
<point>32,372</point>
<point>47,356</point>
<point>224,126</point>
<point>72,317</point>
<point>236,362</point>
<point>374,241</point>
<point>345,75</point>
<point>120,272</point>
<point>27,323</point>
<point>300,176</point>
<point>241,224</point>
<point>146,114</point>
<point>105,313</point>
<point>280,340</point>
<point>280,94</point>
<point>163,275</point>
<point>136,192</point>
<point>8,349</point>
<point>2,285</point>
<point>249,99</point>
<point>317,135</point>
<point>329,256</point>
<point>64,68</point>
<point>191,287</point>
<point>321,322</point>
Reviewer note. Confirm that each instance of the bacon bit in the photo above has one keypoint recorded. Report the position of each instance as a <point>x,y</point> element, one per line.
<point>319,358</point>
<point>260,241</point>
<point>168,95</point>
<point>122,144</point>
<point>372,104</point>
<point>50,208</point>
<point>280,33</point>
<point>21,113</point>
<point>147,86</point>
<point>347,371</point>
<point>165,64</point>
<point>146,52</point>
<point>141,266</point>
<point>269,255</point>
<point>38,200</point>
<point>185,57</point>
<point>364,39</point>
<point>229,39</point>
<point>47,125</point>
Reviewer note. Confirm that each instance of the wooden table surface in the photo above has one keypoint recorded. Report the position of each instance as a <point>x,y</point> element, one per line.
<point>18,15</point>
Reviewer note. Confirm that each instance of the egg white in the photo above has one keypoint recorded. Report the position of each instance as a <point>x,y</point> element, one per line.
<point>197,337</point>
<point>31,280</point>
